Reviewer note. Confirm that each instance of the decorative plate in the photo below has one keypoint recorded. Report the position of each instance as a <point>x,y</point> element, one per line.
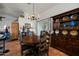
<point>56,31</point>
<point>66,18</point>
<point>72,23</point>
<point>73,33</point>
<point>73,17</point>
<point>64,32</point>
<point>64,24</point>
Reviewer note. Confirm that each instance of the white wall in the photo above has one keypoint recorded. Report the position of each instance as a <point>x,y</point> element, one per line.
<point>58,9</point>
<point>6,21</point>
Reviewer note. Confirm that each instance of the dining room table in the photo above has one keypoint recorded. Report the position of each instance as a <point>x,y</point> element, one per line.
<point>32,43</point>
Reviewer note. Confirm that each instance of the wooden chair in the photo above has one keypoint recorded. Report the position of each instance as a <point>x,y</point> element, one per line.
<point>44,43</point>
<point>26,50</point>
<point>43,47</point>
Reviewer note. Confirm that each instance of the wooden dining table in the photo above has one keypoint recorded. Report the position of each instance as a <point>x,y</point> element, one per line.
<point>32,42</point>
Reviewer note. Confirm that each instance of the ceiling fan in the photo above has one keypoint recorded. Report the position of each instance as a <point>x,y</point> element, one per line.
<point>1,18</point>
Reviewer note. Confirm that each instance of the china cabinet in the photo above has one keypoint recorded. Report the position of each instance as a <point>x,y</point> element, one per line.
<point>67,40</point>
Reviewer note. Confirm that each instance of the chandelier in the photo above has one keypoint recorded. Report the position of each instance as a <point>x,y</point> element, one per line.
<point>33,17</point>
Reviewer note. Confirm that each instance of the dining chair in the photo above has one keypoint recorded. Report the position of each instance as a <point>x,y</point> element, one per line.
<point>43,47</point>
<point>26,50</point>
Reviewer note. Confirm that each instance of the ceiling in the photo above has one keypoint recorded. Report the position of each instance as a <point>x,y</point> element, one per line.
<point>17,9</point>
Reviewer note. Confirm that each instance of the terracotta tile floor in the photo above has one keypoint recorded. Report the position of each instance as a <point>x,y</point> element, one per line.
<point>14,48</point>
<point>55,52</point>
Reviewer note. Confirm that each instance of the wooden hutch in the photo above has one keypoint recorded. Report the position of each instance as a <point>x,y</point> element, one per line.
<point>67,37</point>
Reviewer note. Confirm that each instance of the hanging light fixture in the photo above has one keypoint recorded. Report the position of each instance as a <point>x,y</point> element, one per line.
<point>33,16</point>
